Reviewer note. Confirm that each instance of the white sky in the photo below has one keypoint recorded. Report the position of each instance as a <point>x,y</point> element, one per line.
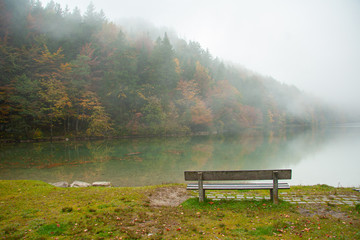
<point>312,44</point>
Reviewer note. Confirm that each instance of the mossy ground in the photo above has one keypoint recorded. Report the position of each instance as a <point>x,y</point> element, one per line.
<point>37,210</point>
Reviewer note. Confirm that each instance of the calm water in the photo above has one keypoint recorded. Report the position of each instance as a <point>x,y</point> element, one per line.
<point>328,156</point>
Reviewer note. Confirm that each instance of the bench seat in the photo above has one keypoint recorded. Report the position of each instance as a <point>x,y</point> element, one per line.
<point>237,186</point>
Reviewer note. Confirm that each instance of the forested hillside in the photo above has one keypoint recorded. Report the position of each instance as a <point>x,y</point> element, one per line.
<point>67,74</point>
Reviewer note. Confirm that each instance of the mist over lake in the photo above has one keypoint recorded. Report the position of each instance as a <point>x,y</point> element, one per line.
<point>327,156</point>
<point>275,89</point>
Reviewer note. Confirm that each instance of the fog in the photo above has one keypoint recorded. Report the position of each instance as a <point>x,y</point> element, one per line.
<point>313,45</point>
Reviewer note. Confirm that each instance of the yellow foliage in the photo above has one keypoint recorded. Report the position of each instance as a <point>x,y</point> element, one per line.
<point>177,66</point>
<point>141,95</point>
<point>65,67</point>
<point>271,116</point>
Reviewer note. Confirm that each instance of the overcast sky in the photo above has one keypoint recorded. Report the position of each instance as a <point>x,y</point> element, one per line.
<point>312,44</point>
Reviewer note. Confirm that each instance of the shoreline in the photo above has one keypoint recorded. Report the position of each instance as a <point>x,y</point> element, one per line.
<point>190,134</point>
<point>65,139</point>
<point>106,183</point>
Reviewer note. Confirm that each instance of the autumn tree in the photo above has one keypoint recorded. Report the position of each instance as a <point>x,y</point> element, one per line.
<point>93,116</point>
<point>203,79</point>
<point>99,124</point>
<point>201,116</point>
<point>54,101</point>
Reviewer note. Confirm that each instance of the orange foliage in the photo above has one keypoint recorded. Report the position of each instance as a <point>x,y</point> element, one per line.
<point>223,89</point>
<point>253,115</point>
<point>88,101</point>
<point>48,64</point>
<point>88,51</point>
<point>200,114</point>
<point>189,89</point>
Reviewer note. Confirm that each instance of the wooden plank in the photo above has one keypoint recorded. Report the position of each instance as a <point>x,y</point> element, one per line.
<point>237,186</point>
<point>238,175</point>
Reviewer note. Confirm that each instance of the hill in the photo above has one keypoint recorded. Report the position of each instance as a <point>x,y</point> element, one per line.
<point>63,73</point>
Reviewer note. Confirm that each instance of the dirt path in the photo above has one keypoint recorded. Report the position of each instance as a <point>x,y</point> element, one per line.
<point>169,196</point>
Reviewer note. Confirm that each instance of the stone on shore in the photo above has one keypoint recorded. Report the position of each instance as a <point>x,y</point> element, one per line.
<point>80,184</point>
<point>60,184</point>
<point>101,184</point>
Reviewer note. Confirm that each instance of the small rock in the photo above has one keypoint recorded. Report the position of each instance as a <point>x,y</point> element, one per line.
<point>60,184</point>
<point>80,184</point>
<point>101,184</point>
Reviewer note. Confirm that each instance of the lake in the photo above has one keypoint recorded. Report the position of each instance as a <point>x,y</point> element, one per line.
<point>323,156</point>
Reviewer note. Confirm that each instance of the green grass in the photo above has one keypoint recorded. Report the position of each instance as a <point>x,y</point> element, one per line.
<point>37,210</point>
<point>54,229</point>
<point>262,230</point>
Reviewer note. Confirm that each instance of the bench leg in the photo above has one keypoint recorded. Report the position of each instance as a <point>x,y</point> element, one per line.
<point>274,197</point>
<point>201,187</point>
<point>275,185</point>
<point>201,195</point>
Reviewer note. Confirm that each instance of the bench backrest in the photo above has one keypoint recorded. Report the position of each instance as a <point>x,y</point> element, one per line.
<point>237,175</point>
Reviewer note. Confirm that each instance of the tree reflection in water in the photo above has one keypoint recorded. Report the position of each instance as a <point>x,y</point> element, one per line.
<point>149,161</point>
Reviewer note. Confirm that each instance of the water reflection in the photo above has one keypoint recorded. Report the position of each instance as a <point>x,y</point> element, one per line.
<point>149,161</point>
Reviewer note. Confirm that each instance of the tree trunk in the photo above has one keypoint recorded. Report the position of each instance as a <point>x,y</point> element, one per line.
<point>65,126</point>
<point>51,128</point>
<point>77,122</point>
<point>68,124</point>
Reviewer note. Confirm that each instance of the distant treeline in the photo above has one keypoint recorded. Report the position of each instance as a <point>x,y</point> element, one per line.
<point>63,73</point>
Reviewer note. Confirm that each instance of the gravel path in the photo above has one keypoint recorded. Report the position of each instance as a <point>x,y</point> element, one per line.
<point>291,197</point>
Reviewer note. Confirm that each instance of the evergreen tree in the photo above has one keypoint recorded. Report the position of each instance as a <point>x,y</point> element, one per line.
<point>164,75</point>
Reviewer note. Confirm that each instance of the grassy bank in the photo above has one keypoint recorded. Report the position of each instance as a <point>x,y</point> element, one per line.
<point>36,210</point>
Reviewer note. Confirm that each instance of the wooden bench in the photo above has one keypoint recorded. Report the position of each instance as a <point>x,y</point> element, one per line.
<point>248,175</point>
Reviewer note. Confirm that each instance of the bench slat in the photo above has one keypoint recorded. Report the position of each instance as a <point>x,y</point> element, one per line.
<point>242,186</point>
<point>238,175</point>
